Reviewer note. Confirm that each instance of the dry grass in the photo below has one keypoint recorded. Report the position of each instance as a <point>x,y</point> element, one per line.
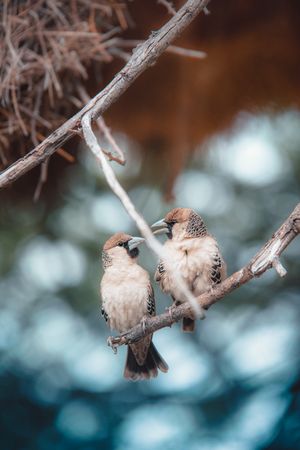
<point>46,50</point>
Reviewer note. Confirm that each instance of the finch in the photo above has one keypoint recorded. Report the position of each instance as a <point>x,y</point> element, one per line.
<point>194,253</point>
<point>127,298</point>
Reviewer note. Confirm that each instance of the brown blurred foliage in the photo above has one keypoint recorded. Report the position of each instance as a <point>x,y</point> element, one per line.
<point>252,64</point>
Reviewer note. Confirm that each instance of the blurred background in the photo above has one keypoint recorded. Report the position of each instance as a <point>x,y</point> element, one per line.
<point>220,135</point>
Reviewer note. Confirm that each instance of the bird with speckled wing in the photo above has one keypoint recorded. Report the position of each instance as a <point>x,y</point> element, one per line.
<point>127,298</point>
<point>194,253</point>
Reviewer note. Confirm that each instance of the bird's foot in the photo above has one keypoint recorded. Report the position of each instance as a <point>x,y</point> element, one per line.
<point>170,310</point>
<point>111,343</point>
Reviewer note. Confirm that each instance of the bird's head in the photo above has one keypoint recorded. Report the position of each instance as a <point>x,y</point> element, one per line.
<point>120,247</point>
<point>180,223</point>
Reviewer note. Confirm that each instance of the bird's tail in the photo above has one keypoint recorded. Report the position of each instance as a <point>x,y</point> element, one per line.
<point>188,325</point>
<point>133,371</point>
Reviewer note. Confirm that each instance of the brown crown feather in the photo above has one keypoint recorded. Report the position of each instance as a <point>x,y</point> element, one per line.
<point>179,215</point>
<point>116,239</point>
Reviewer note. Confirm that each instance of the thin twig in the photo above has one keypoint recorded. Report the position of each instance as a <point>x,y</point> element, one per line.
<point>262,261</point>
<point>60,151</point>
<point>168,5</point>
<point>129,43</point>
<point>187,52</point>
<point>109,137</point>
<point>279,267</point>
<point>42,180</point>
<point>143,57</point>
<point>66,155</point>
<point>125,56</point>
<point>106,131</point>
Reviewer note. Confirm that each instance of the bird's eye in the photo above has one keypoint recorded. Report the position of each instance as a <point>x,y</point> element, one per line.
<point>120,244</point>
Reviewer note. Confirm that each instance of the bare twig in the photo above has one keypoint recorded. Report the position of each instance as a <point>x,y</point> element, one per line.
<point>186,52</point>
<point>125,56</point>
<point>66,155</point>
<point>142,225</point>
<point>42,180</point>
<point>168,5</point>
<point>112,157</point>
<point>107,133</point>
<point>266,258</point>
<point>60,151</point>
<point>279,267</point>
<point>129,43</point>
<point>143,57</point>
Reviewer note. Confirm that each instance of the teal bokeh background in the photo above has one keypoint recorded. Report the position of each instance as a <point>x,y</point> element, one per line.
<point>232,385</point>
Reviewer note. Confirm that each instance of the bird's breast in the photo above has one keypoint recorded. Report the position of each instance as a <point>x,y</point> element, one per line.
<point>192,260</point>
<point>125,301</point>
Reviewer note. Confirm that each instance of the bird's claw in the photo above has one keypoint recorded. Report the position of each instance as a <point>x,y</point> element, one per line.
<point>170,310</point>
<point>110,343</point>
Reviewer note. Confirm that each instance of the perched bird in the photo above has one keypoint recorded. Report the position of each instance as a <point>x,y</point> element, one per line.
<point>127,298</point>
<point>194,253</point>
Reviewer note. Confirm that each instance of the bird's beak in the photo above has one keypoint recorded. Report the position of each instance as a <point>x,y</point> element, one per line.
<point>160,227</point>
<point>135,242</point>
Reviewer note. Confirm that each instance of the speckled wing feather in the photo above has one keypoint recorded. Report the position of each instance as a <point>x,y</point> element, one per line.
<point>104,314</point>
<point>159,271</point>
<point>218,270</point>
<point>140,349</point>
<point>151,301</point>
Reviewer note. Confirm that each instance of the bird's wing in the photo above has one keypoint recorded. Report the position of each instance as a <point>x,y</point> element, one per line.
<point>159,271</point>
<point>151,301</point>
<point>104,314</point>
<point>218,270</point>
<point>140,349</point>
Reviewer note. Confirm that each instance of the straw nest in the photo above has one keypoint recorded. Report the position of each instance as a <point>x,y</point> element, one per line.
<point>47,49</point>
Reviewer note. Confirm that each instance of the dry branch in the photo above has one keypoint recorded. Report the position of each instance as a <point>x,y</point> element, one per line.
<point>143,57</point>
<point>266,258</point>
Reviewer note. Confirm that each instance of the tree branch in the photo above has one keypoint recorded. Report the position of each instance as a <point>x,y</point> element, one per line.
<point>266,258</point>
<point>143,57</point>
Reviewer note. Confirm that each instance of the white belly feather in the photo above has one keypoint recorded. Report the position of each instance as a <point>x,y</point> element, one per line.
<point>124,297</point>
